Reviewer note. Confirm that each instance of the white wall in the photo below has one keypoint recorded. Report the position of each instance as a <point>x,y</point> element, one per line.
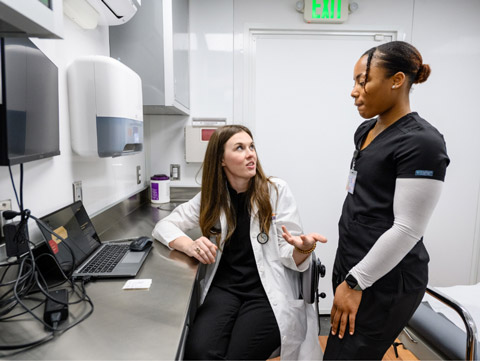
<point>450,41</point>
<point>211,83</point>
<point>447,34</point>
<point>48,183</point>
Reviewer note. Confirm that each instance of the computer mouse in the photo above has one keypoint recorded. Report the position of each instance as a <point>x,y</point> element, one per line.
<point>140,244</point>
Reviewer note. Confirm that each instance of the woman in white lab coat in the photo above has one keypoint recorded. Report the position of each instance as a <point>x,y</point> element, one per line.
<point>254,250</point>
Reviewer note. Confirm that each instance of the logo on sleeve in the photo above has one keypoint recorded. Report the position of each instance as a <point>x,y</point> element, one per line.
<point>424,173</point>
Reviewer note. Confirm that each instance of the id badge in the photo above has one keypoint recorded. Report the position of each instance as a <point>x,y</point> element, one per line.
<point>352,178</point>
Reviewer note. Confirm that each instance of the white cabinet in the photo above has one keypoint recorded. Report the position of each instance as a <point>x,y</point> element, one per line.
<point>155,44</point>
<point>31,18</point>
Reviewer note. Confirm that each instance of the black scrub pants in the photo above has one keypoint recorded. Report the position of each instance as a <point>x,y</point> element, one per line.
<point>229,327</point>
<point>380,319</point>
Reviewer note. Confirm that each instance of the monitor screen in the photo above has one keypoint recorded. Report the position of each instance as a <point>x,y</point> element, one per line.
<point>29,116</point>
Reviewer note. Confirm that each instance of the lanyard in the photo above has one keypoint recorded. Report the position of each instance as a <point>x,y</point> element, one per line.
<point>354,159</point>
<point>352,175</point>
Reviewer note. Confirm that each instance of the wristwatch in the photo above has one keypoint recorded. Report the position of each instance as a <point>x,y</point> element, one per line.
<point>352,282</point>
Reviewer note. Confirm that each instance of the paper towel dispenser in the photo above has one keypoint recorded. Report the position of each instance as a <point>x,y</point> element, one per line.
<point>106,108</point>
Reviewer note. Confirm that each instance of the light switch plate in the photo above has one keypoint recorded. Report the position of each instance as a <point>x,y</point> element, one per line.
<point>77,191</point>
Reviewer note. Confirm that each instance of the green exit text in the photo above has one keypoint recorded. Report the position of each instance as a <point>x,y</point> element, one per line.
<point>325,9</point>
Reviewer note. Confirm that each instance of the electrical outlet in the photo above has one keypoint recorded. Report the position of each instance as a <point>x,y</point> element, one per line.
<point>139,174</point>
<point>77,191</point>
<point>174,171</point>
<point>5,205</point>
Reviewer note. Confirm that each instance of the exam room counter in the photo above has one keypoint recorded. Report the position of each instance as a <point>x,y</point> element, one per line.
<point>134,324</point>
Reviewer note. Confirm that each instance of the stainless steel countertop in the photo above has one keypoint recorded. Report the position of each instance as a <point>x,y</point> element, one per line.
<point>125,325</point>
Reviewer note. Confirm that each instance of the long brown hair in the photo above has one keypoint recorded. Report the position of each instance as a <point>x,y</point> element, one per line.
<point>215,196</point>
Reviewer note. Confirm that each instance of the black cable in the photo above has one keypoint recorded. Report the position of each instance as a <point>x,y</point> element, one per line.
<point>27,214</point>
<point>38,283</point>
<point>32,308</point>
<point>21,188</point>
<point>54,329</point>
<point>13,185</point>
<point>20,301</point>
<point>80,291</point>
<point>63,243</point>
<point>29,276</point>
<point>26,345</point>
<point>22,278</point>
<point>7,266</point>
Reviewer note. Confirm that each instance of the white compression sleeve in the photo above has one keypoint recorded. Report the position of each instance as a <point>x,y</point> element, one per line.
<point>413,204</point>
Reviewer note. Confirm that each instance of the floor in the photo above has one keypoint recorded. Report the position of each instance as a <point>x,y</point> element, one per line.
<point>403,354</point>
<point>324,325</point>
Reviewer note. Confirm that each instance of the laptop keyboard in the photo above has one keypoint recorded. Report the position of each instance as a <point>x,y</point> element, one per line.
<point>106,260</point>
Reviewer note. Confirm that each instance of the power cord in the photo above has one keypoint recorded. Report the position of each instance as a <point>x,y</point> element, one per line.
<point>28,281</point>
<point>56,308</point>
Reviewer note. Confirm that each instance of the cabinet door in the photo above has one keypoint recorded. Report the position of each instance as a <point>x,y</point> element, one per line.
<point>181,53</point>
<point>155,44</point>
<point>31,18</point>
<point>139,44</point>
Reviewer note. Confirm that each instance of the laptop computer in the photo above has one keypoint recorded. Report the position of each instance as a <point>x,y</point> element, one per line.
<point>81,247</point>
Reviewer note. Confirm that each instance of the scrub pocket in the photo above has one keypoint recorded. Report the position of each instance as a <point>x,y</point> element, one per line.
<point>360,236</point>
<point>378,223</point>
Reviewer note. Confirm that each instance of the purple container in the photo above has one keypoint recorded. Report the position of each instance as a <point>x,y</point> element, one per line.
<point>160,188</point>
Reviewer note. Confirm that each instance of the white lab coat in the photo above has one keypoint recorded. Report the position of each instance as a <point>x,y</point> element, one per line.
<point>278,272</point>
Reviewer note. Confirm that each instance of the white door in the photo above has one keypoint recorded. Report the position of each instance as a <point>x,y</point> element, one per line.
<point>303,120</point>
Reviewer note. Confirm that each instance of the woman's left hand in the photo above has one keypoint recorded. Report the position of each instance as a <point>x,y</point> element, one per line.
<point>302,242</point>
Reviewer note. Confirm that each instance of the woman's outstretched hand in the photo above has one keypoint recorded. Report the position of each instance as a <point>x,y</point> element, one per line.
<point>303,242</point>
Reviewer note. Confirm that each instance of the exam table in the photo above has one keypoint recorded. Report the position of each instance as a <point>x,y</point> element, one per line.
<point>443,328</point>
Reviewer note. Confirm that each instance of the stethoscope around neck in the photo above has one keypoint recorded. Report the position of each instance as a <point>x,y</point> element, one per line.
<point>262,237</point>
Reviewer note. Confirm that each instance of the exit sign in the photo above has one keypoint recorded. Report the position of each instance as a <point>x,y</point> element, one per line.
<point>325,11</point>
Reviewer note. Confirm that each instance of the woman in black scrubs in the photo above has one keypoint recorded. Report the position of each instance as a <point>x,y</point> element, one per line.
<point>396,176</point>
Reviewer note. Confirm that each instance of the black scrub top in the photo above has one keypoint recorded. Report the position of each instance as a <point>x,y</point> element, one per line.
<point>409,148</point>
<point>237,272</point>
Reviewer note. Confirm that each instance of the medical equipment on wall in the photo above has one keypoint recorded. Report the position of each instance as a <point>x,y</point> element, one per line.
<point>197,136</point>
<point>106,110</point>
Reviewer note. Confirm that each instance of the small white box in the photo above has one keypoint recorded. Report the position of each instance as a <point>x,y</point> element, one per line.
<point>196,141</point>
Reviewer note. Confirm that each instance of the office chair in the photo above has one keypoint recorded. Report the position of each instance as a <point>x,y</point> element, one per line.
<point>309,286</point>
<point>309,281</point>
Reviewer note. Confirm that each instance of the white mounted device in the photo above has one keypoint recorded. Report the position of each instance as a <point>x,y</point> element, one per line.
<point>115,12</point>
<point>106,108</point>
<point>90,13</point>
<point>197,136</point>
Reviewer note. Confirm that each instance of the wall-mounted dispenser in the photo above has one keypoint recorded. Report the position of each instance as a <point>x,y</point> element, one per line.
<point>106,108</point>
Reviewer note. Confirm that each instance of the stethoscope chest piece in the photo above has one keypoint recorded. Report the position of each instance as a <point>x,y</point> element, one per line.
<point>262,238</point>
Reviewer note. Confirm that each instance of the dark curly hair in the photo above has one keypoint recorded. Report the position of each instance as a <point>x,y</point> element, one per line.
<point>399,56</point>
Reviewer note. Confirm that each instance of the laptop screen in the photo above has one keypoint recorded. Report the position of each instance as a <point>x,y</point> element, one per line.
<point>80,239</point>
